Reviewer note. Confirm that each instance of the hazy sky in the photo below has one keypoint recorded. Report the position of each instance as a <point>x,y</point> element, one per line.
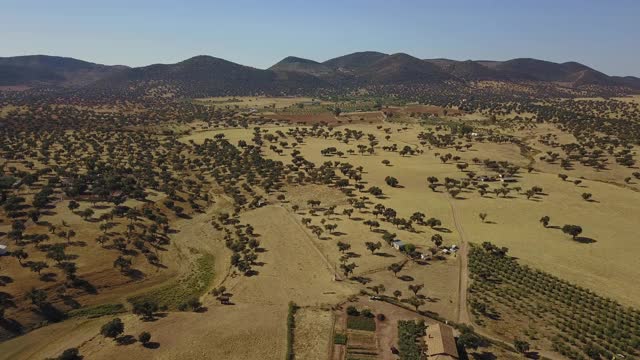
<point>604,34</point>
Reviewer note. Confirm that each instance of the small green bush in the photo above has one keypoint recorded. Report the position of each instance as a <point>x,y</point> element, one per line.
<point>352,311</point>
<point>340,339</point>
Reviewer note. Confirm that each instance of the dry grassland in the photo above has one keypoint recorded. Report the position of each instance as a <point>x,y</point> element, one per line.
<point>605,265</point>
<point>298,266</point>
<point>257,102</point>
<point>312,337</point>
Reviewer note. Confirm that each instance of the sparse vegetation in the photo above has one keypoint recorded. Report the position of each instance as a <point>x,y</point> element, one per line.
<point>291,325</point>
<point>98,311</point>
<point>173,295</point>
<point>376,191</point>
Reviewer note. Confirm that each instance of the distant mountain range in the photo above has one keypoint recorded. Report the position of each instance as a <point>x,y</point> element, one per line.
<point>206,75</point>
<point>43,70</point>
<point>379,68</point>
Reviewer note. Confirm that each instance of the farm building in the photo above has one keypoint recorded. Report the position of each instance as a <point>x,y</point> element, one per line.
<point>485,178</point>
<point>398,245</point>
<point>3,249</point>
<point>441,344</point>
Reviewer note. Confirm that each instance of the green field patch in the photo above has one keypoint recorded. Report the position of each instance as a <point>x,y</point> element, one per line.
<point>98,310</point>
<point>182,290</point>
<point>361,322</point>
<point>340,339</point>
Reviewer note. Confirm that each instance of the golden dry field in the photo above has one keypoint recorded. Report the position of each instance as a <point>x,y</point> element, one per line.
<point>603,265</point>
<point>238,218</point>
<point>258,102</point>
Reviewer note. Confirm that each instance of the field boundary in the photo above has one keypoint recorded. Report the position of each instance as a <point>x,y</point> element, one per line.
<point>308,237</point>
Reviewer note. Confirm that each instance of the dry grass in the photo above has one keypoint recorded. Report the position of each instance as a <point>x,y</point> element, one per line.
<point>4,110</point>
<point>312,334</point>
<point>238,332</point>
<point>95,265</point>
<point>257,102</point>
<point>293,269</point>
<point>605,266</point>
<point>298,266</point>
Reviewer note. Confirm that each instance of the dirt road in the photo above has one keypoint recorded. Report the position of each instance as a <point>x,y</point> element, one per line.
<point>463,280</point>
<point>463,316</point>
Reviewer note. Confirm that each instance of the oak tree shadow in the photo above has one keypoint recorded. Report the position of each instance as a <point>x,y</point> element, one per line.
<point>126,340</point>
<point>152,345</point>
<point>361,279</point>
<point>48,277</point>
<point>532,355</point>
<point>50,313</point>
<point>585,240</point>
<point>4,280</point>
<point>12,326</point>
<point>485,355</point>
<point>134,274</point>
<point>383,254</point>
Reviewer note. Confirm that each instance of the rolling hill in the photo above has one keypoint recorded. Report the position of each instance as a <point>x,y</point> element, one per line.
<point>630,81</point>
<point>539,70</point>
<point>402,68</point>
<point>206,75</point>
<point>367,68</point>
<point>43,70</point>
<point>379,68</point>
<point>469,70</point>
<point>296,64</point>
<point>209,76</point>
<point>354,62</point>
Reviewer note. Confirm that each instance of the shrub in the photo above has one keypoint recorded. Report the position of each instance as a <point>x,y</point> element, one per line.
<point>340,339</point>
<point>145,309</point>
<point>194,304</point>
<point>521,346</point>
<point>70,354</point>
<point>573,230</point>
<point>144,337</point>
<point>112,329</point>
<point>291,325</point>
